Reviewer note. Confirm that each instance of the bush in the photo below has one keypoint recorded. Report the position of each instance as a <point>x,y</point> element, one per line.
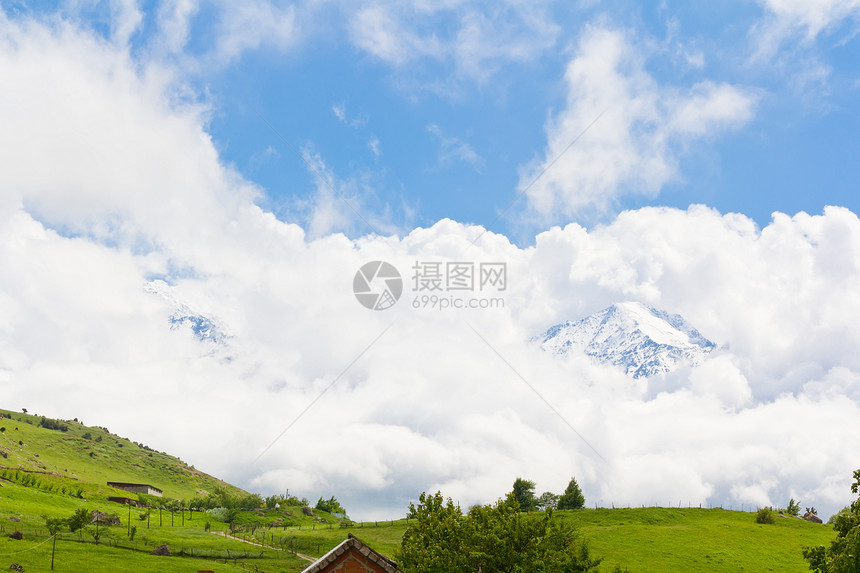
<point>764,515</point>
<point>87,436</point>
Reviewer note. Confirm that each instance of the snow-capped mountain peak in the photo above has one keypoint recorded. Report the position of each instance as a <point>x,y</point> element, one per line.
<point>639,338</point>
<point>205,328</point>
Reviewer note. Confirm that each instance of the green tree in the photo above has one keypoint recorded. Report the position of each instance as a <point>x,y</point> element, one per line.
<point>79,519</point>
<point>490,539</point>
<point>843,555</point>
<point>434,541</point>
<point>54,525</point>
<point>524,493</point>
<point>331,505</point>
<point>793,507</point>
<point>572,497</point>
<point>547,500</point>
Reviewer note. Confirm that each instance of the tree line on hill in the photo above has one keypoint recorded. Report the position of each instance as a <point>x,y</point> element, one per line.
<point>524,493</point>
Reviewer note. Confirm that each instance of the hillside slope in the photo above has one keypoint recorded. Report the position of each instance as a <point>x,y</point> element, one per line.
<point>93,455</point>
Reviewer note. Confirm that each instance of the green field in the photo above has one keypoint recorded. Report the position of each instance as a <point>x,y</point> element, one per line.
<point>50,472</point>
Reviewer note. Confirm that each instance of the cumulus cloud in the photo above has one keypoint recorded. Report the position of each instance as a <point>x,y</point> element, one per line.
<point>109,184</point>
<point>629,131</point>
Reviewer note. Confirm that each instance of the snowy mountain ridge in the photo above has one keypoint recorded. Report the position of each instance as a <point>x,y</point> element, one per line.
<point>641,339</point>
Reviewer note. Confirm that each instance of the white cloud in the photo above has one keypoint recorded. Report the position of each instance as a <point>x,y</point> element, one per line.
<point>808,18</point>
<point>250,25</point>
<point>455,149</point>
<point>126,18</point>
<point>339,111</point>
<point>174,23</point>
<point>377,30</point>
<point>375,146</point>
<point>638,128</point>
<point>476,40</point>
<point>135,190</point>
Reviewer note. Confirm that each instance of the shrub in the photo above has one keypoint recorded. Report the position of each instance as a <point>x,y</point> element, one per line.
<point>87,436</point>
<point>764,515</point>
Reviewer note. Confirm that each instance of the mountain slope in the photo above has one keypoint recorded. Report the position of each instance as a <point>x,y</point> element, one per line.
<point>642,340</point>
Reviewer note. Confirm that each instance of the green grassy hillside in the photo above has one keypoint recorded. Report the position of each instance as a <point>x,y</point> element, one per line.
<point>704,540</point>
<point>92,456</point>
<point>53,472</point>
<point>654,540</point>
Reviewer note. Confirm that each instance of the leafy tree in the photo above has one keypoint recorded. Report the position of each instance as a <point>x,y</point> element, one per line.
<point>524,493</point>
<point>490,539</point>
<point>272,501</point>
<point>843,555</point>
<point>54,524</point>
<point>547,500</point>
<point>80,518</point>
<point>331,505</point>
<point>793,508</point>
<point>572,497</point>
<point>435,540</point>
<point>251,501</point>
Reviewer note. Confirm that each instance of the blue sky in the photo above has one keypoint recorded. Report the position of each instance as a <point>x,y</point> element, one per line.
<point>432,129</point>
<point>136,146</point>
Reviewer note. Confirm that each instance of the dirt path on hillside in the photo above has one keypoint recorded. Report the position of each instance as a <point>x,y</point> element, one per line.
<point>228,536</point>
